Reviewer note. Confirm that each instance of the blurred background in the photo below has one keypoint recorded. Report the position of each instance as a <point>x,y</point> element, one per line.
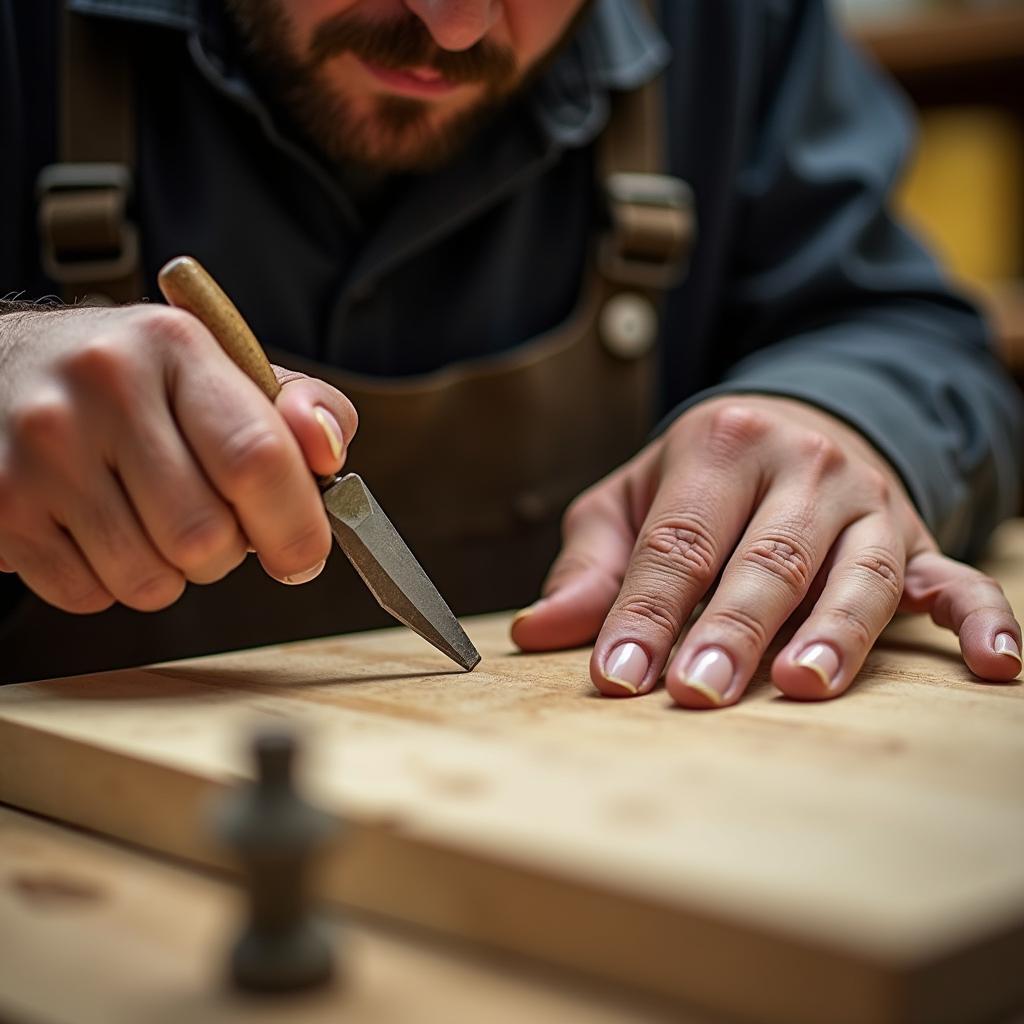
<point>961,62</point>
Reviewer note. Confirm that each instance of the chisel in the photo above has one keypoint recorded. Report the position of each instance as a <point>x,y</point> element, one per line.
<point>361,529</point>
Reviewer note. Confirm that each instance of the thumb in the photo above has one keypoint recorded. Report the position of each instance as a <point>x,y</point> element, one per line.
<point>584,581</point>
<point>322,419</point>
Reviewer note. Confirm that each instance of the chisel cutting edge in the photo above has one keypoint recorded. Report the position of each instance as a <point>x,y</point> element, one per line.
<point>362,530</point>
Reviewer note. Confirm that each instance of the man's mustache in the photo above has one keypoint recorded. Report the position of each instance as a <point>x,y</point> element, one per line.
<point>402,43</point>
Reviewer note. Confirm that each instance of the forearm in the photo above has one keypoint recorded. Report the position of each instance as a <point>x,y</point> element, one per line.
<point>8,306</point>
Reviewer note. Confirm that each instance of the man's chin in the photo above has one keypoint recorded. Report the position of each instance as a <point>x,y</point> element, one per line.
<point>405,135</point>
<point>400,136</point>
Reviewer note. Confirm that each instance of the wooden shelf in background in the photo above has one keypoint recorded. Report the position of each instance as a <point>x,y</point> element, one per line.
<point>939,39</point>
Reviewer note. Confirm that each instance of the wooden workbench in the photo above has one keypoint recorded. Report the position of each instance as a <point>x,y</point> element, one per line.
<point>858,860</point>
<point>95,933</point>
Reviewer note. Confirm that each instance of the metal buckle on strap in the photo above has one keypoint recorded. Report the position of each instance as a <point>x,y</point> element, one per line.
<point>652,231</point>
<point>84,231</point>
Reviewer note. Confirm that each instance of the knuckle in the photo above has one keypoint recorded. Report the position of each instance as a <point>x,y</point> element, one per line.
<point>783,558</point>
<point>991,584</point>
<point>819,455</point>
<point>109,530</point>
<point>992,589</point>
<point>876,486</point>
<point>42,423</point>
<point>579,510</point>
<point>254,458</point>
<point>151,593</point>
<point>683,547</point>
<point>744,629</point>
<point>107,366</point>
<point>171,326</point>
<point>79,596</point>
<point>102,359</point>
<point>852,622</point>
<point>571,564</point>
<point>734,427</point>
<point>880,570</point>
<point>60,581</point>
<point>201,538</point>
<point>653,614</point>
<point>304,549</point>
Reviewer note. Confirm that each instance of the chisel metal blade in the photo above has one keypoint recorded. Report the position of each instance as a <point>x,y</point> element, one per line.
<point>390,570</point>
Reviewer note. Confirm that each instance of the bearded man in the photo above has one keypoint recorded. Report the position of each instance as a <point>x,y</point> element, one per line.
<point>636,265</point>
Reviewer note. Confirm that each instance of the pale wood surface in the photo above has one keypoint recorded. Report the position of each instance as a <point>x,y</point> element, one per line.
<point>97,934</point>
<point>861,858</point>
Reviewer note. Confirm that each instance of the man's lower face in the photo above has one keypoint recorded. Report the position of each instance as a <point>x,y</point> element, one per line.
<point>384,94</point>
<point>378,90</point>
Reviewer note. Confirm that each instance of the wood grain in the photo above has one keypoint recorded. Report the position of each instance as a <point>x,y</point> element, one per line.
<point>856,860</point>
<point>107,936</point>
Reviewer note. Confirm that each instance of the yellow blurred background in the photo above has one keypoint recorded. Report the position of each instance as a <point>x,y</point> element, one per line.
<point>962,65</point>
<point>964,190</point>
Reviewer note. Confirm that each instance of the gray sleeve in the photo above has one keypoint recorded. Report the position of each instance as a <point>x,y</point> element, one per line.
<point>833,302</point>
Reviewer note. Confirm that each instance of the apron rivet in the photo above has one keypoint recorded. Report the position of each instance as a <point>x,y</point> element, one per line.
<point>628,325</point>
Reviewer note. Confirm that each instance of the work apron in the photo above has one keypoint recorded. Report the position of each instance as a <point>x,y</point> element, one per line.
<point>474,464</point>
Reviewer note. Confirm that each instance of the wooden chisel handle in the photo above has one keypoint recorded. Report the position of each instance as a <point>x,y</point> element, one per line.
<point>363,531</point>
<point>187,285</point>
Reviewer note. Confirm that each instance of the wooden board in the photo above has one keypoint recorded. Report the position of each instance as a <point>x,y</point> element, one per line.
<point>857,860</point>
<point>108,936</point>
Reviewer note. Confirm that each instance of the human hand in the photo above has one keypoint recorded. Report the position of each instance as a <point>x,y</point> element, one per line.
<point>795,512</point>
<point>135,456</point>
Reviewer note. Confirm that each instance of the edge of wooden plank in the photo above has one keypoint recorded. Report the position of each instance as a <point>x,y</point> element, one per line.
<point>669,950</point>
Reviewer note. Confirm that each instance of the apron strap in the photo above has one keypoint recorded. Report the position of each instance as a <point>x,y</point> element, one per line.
<point>88,243</point>
<point>652,218</point>
<point>90,246</point>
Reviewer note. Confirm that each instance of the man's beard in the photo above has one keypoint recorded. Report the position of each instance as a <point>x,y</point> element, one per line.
<point>396,133</point>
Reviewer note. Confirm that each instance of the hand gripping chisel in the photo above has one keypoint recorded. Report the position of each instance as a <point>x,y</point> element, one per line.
<point>361,529</point>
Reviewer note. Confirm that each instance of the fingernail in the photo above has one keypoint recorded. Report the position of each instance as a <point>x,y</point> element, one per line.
<point>304,577</point>
<point>822,660</point>
<point>526,612</point>
<point>710,674</point>
<point>626,666</point>
<point>331,430</point>
<point>1005,644</point>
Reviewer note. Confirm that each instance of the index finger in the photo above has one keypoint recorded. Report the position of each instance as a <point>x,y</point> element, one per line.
<point>698,513</point>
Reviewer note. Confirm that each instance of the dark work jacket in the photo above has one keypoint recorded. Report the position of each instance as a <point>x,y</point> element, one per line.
<point>801,284</point>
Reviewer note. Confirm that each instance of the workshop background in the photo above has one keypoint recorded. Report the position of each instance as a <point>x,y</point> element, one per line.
<point>961,62</point>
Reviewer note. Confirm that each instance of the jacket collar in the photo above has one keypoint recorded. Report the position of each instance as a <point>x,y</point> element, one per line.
<point>179,14</point>
<point>617,47</point>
